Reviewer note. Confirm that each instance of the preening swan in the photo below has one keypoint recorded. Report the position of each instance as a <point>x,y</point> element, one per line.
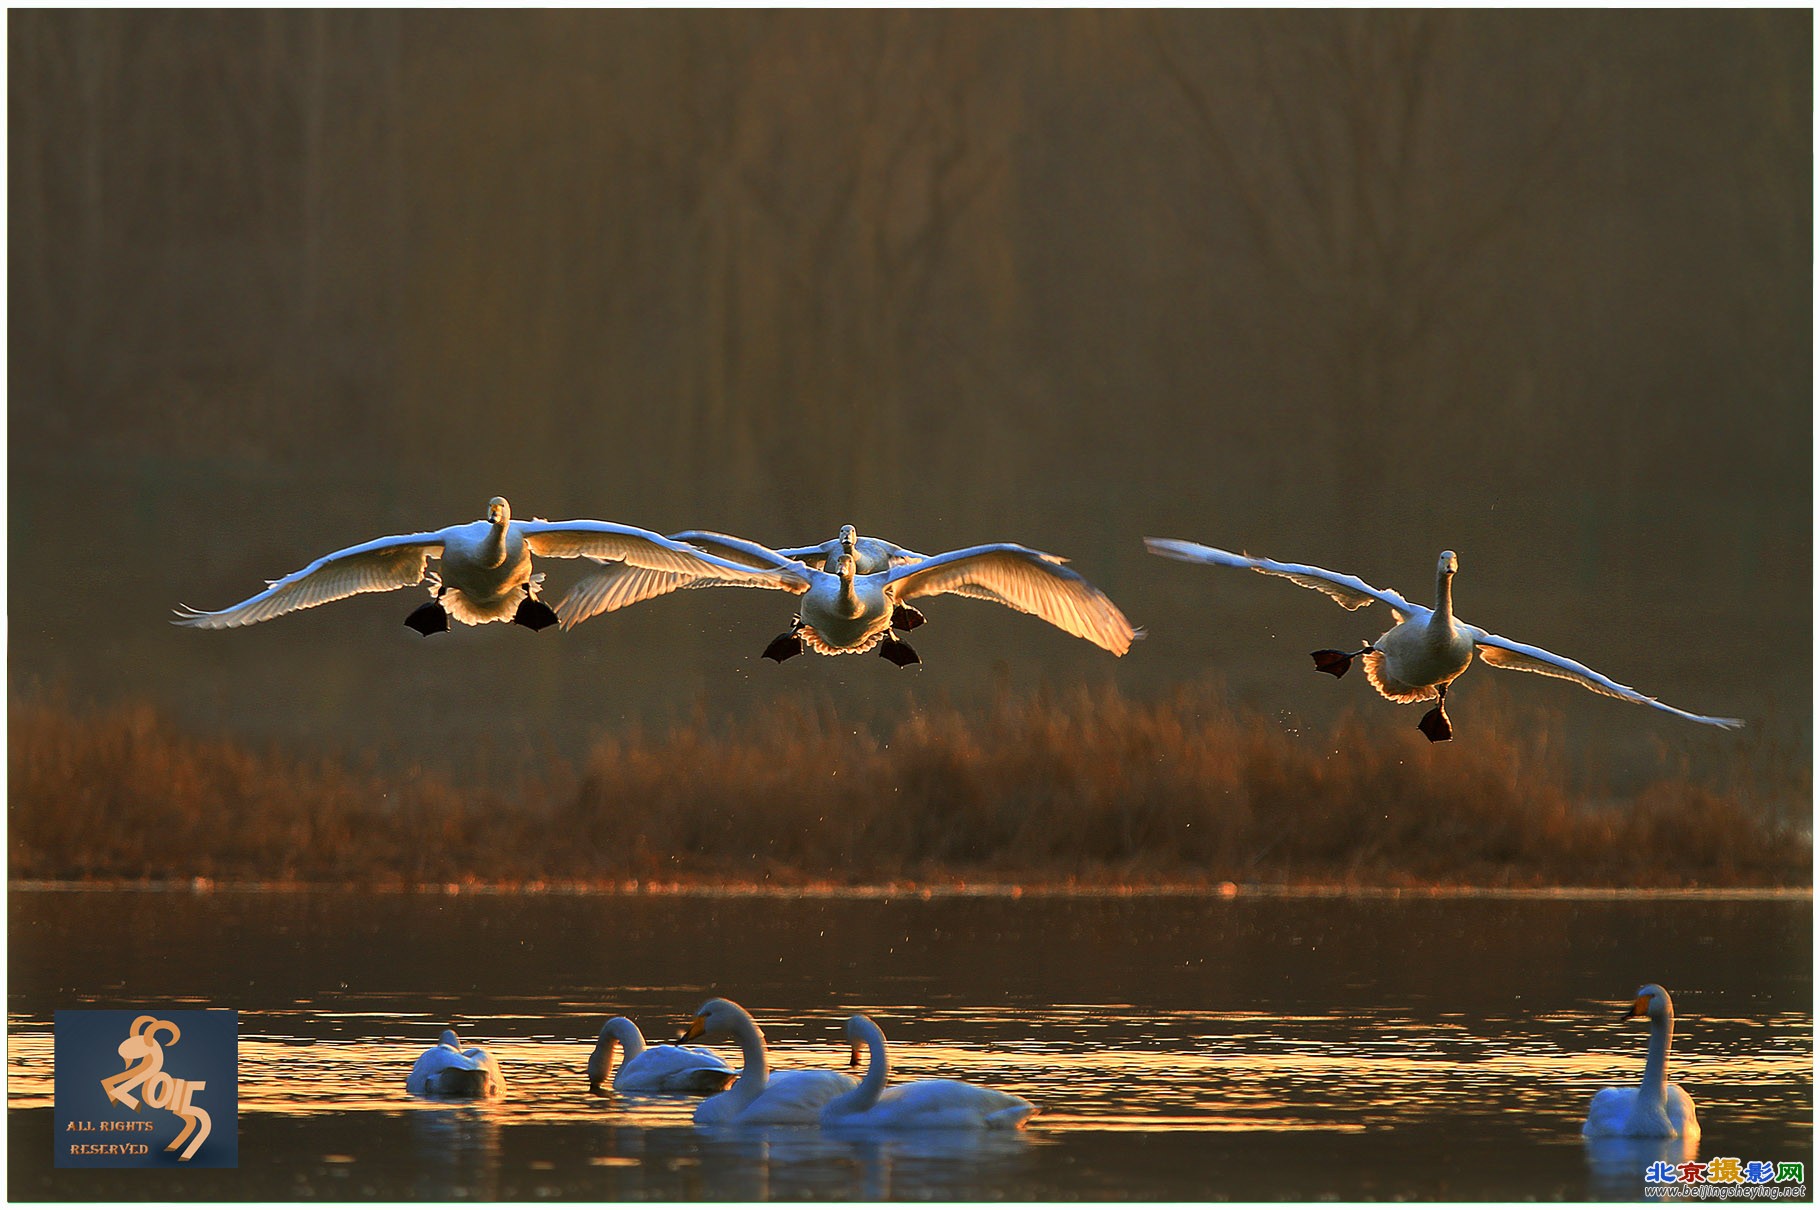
<point>759,1097</point>
<point>448,1070</point>
<point>1655,1108</point>
<point>661,1068</point>
<point>846,612</point>
<point>484,573</point>
<point>1416,659</point>
<point>920,1104</point>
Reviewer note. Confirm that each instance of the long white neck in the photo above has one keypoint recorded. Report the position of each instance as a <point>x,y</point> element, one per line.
<point>493,549</point>
<point>617,1032</point>
<point>756,1072</point>
<point>878,1070</point>
<point>847,602</point>
<point>1443,614</point>
<point>1654,1088</point>
<point>628,1036</point>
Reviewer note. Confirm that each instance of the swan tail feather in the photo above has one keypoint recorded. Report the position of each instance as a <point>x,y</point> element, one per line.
<point>1389,686</point>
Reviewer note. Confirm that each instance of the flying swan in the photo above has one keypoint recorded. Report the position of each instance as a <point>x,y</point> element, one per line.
<point>759,1097</point>
<point>1416,659</point>
<point>661,1068</point>
<point>484,575</point>
<point>919,1104</point>
<point>1655,1108</point>
<point>448,1070</point>
<point>845,611</point>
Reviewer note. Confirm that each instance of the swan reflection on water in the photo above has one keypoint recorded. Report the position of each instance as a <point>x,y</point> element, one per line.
<point>787,1162</point>
<point>457,1152</point>
<point>1615,1164</point>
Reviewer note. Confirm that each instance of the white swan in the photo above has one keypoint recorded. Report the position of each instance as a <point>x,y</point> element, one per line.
<point>920,1104</point>
<point>846,612</point>
<point>484,574</point>
<point>1417,658</point>
<point>759,1097</point>
<point>1655,1108</point>
<point>449,1070</point>
<point>661,1068</point>
<point>869,554</point>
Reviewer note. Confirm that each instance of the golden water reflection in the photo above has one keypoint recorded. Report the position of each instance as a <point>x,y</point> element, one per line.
<point>1208,1071</point>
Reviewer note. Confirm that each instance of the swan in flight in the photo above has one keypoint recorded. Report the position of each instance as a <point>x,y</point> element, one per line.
<point>619,584</point>
<point>759,1097</point>
<point>661,1068</point>
<point>869,554</point>
<point>919,1104</point>
<point>1655,1108</point>
<point>448,1070</point>
<point>484,574</point>
<point>1416,659</point>
<point>845,611</point>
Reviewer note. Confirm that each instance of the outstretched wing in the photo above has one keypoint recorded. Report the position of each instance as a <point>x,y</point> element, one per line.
<point>1026,580</point>
<point>874,554</point>
<point>703,560</point>
<point>376,566</point>
<point>1349,591</point>
<point>1504,653</point>
<point>812,556</point>
<point>639,547</point>
<point>739,550</point>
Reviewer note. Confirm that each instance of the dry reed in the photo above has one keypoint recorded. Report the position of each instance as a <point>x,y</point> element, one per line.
<point>1081,788</point>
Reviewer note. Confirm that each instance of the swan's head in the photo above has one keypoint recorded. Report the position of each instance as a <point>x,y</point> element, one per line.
<point>860,1030</point>
<point>844,567</point>
<point>498,511</point>
<point>1652,1002</point>
<point>449,1039</point>
<point>848,536</point>
<point>1449,564</point>
<point>717,1020</point>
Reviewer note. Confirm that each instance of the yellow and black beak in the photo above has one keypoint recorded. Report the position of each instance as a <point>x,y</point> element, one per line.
<point>853,1059</point>
<point>1639,1009</point>
<point>697,1028</point>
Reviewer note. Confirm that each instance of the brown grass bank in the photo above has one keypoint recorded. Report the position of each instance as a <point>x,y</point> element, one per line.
<point>1083,788</point>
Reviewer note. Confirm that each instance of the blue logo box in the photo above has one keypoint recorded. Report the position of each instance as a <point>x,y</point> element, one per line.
<point>146,1089</point>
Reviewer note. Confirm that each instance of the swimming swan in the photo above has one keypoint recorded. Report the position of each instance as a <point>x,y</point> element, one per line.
<point>447,1070</point>
<point>1655,1108</point>
<point>846,612</point>
<point>919,1104</point>
<point>484,576</point>
<point>661,1068</point>
<point>1417,658</point>
<point>759,1097</point>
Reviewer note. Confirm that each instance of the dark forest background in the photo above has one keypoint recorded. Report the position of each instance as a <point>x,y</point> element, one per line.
<point>1340,287</point>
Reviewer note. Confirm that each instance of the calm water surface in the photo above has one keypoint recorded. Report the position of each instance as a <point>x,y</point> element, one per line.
<point>1181,1048</point>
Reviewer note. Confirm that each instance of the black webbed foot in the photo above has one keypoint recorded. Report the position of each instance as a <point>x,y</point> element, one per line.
<point>1435,726</point>
<point>534,614</point>
<point>783,647</point>
<point>1334,663</point>
<point>906,617</point>
<point>898,652</point>
<point>428,619</point>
